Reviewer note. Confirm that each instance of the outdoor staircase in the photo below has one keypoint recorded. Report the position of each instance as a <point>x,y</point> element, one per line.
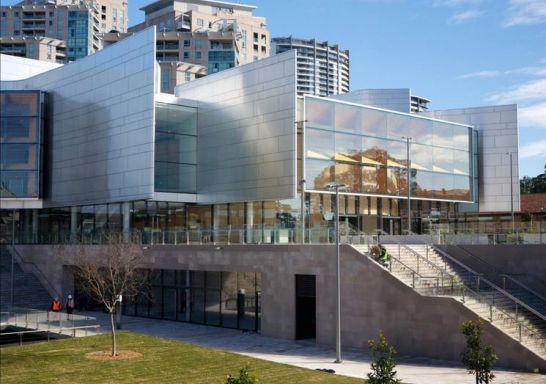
<point>28,292</point>
<point>518,311</point>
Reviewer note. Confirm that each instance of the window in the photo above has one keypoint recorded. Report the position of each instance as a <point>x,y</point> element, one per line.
<point>16,33</point>
<point>243,38</point>
<point>50,14</point>
<point>198,55</point>
<point>186,55</point>
<point>16,14</point>
<point>187,77</point>
<point>49,51</point>
<point>165,80</point>
<point>114,15</point>
<point>199,22</point>
<point>50,22</point>
<point>198,44</point>
<point>187,43</point>
<point>3,14</point>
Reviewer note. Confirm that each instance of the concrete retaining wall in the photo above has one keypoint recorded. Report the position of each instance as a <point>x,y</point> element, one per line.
<point>372,299</point>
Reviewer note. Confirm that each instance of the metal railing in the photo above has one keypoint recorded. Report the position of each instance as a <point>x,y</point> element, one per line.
<point>48,322</point>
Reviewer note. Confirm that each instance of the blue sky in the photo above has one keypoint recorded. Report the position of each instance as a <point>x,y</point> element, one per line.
<point>458,53</point>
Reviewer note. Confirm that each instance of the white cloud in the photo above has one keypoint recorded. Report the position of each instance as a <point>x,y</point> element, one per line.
<point>465,16</point>
<point>455,3</point>
<point>525,12</point>
<point>531,71</point>
<point>531,90</point>
<point>533,116</point>
<point>536,149</point>
<point>480,74</point>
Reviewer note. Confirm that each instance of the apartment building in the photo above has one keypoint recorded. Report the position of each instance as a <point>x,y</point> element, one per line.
<point>323,68</point>
<point>199,37</point>
<point>34,47</point>
<point>77,23</point>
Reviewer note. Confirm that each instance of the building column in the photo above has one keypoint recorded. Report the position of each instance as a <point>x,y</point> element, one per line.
<point>249,221</point>
<point>35,225</point>
<point>73,223</point>
<point>126,217</point>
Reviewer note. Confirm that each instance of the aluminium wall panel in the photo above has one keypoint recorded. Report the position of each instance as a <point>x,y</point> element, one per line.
<point>497,128</point>
<point>246,131</point>
<point>101,139</point>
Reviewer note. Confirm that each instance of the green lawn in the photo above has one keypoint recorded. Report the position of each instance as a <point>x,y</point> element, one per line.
<point>162,361</point>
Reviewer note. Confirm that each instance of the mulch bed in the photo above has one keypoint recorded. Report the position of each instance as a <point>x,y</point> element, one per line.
<point>107,355</point>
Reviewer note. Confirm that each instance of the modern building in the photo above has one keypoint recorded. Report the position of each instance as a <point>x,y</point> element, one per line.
<point>398,99</point>
<point>228,184</point>
<point>199,37</point>
<point>76,24</point>
<point>37,48</point>
<point>322,68</point>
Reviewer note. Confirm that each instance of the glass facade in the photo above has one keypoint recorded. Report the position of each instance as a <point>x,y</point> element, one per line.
<point>225,299</point>
<point>22,120</point>
<point>175,148</point>
<point>365,149</point>
<point>218,60</point>
<point>79,34</point>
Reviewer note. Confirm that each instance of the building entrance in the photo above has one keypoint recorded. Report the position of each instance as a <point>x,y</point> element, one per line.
<point>305,307</point>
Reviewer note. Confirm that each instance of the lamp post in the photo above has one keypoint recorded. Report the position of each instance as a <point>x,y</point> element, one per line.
<point>336,187</point>
<point>512,193</point>
<point>303,211</point>
<point>408,165</point>
<point>12,260</point>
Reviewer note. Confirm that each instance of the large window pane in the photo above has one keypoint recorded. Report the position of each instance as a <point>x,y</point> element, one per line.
<point>13,103</point>
<point>319,174</point>
<point>348,118</point>
<point>176,178</point>
<point>175,148</point>
<point>374,151</point>
<point>349,175</point>
<point>348,147</point>
<point>319,113</point>
<point>374,123</point>
<point>319,144</point>
<point>19,184</point>
<point>18,129</point>
<point>422,184</point>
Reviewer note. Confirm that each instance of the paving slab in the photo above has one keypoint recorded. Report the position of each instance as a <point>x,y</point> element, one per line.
<point>356,363</point>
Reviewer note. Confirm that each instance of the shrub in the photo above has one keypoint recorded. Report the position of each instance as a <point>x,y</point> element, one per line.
<point>477,357</point>
<point>244,378</point>
<point>383,362</point>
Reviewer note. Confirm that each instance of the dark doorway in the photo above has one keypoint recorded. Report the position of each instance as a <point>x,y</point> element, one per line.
<point>305,307</point>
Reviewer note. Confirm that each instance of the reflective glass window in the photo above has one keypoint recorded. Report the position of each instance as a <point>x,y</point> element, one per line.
<point>443,185</point>
<point>18,129</point>
<point>319,173</point>
<point>461,137</point>
<point>422,184</point>
<point>347,118</point>
<point>442,134</point>
<point>396,181</point>
<point>348,147</point>
<point>442,159</point>
<point>319,144</point>
<point>319,113</point>
<point>349,175</point>
<point>374,151</point>
<point>14,103</point>
<point>421,157</point>
<point>374,123</point>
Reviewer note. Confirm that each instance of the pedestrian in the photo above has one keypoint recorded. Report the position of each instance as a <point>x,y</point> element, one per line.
<point>55,305</point>
<point>70,304</point>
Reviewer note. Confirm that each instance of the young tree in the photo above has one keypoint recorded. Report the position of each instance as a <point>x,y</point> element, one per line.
<point>107,273</point>
<point>477,357</point>
<point>383,362</point>
<point>244,377</point>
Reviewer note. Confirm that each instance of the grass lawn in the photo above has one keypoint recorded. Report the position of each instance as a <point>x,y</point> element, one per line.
<point>162,361</point>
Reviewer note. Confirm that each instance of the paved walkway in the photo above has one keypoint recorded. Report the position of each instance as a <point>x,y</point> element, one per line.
<point>356,363</point>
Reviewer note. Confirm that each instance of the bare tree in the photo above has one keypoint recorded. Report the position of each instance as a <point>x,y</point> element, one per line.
<point>108,272</point>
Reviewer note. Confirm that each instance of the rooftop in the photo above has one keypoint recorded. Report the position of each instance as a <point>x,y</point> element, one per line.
<point>156,5</point>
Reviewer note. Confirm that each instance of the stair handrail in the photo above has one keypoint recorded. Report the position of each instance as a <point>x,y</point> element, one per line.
<point>494,286</point>
<point>524,286</point>
<point>434,266</point>
<point>43,279</point>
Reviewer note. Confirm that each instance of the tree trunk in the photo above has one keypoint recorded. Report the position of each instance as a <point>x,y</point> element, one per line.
<point>113,326</point>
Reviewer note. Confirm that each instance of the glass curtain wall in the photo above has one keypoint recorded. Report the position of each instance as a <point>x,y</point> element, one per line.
<point>21,143</point>
<point>225,299</point>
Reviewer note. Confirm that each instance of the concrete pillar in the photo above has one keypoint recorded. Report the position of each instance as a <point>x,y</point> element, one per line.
<point>249,221</point>
<point>126,217</point>
<point>73,223</point>
<point>35,226</point>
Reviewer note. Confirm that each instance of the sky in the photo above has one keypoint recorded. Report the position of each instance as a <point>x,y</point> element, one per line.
<point>458,53</point>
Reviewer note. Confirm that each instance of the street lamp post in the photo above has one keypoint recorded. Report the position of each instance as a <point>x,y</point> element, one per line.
<point>12,260</point>
<point>408,165</point>
<point>303,211</point>
<point>511,193</point>
<point>336,187</point>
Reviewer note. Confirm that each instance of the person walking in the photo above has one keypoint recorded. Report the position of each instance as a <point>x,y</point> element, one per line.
<point>70,304</point>
<point>55,305</point>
